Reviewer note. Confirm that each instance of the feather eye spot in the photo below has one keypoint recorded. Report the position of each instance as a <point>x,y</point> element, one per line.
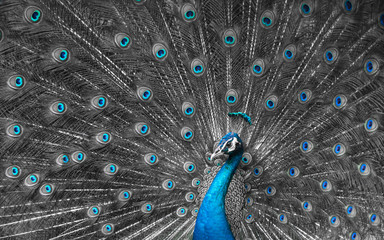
<point>93,211</point>
<point>305,95</point>
<point>257,67</point>
<point>334,221</point>
<point>32,180</point>
<point>246,159</point>
<point>58,108</point>
<point>230,38</point>
<point>258,171</point>
<point>78,156</point>
<point>331,55</point>
<point>271,103</point>
<point>168,184</point>
<point>147,208</point>
<point>348,6</point>
<point>13,171</point>
<point>99,102</point>
<point>364,169</point>
<point>196,182</point>
<point>293,172</point>
<point>374,219</point>
<point>188,12</point>
<point>270,191</point>
<point>124,195</point>
<point>249,218</point>
<point>381,20</point>
<point>306,146</point>
<point>160,51</point>
<point>15,130</point>
<point>188,109</point>
<point>61,55</point>
<point>33,14</point>
<point>189,167</point>
<point>151,159</point>
<point>231,97</point>
<point>197,67</point>
<point>111,169</point>
<point>289,53</point>
<point>104,138</point>
<point>46,189</point>
<point>326,186</point>
<point>123,40</point>
<point>339,101</point>
<point>16,82</point>
<point>351,211</point>
<point>371,125</point>
<point>142,129</point>
<point>305,9</point>
<point>267,19</point>
<point>187,134</point>
<point>307,206</point>
<point>354,236</point>
<point>372,66</point>
<point>339,149</point>
<point>107,229</point>
<point>144,94</point>
<point>190,196</point>
<point>282,218</point>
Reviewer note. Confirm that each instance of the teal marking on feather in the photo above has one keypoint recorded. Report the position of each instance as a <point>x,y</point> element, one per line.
<point>241,114</point>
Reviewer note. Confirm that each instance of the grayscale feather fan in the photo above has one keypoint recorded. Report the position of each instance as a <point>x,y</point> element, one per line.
<point>111,109</point>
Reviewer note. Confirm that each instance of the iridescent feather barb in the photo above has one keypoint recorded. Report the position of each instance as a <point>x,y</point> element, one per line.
<point>243,115</point>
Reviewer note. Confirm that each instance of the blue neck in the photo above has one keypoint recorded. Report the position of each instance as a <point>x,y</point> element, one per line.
<point>211,222</point>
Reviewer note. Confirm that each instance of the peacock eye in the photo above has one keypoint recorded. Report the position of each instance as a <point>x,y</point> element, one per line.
<point>354,236</point>
<point>197,67</point>
<point>249,218</point>
<point>33,14</point>
<point>188,109</point>
<point>78,156</point>
<point>168,184</point>
<point>13,171</point>
<point>293,172</point>
<point>142,129</point>
<point>181,211</point>
<point>371,125</point>
<point>326,186</point>
<point>111,169</point>
<point>351,211</point>
<point>339,149</point>
<point>304,95</point>
<point>122,40</point>
<point>270,191</point>
<point>349,6</point>
<point>61,55</point>
<point>147,207</point>
<point>289,53</point>
<point>189,167</point>
<point>282,218</point>
<point>196,182</point>
<point>99,102</point>
<point>188,11</point>
<point>186,134</point>
<point>31,180</point>
<point>331,55</point>
<point>93,211</point>
<point>15,130</point>
<point>230,38</point>
<point>334,221</point>
<point>190,197</point>
<point>58,108</point>
<point>306,8</point>
<point>231,97</point>
<point>144,94</point>
<point>16,82</point>
<point>46,189</point>
<point>107,229</point>
<point>371,66</point>
<point>124,195</point>
<point>257,67</point>
<point>195,211</point>
<point>267,19</point>
<point>307,206</point>
<point>160,51</point>
<point>339,101</point>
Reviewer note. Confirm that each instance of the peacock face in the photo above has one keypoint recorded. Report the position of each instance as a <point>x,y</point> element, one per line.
<point>230,144</point>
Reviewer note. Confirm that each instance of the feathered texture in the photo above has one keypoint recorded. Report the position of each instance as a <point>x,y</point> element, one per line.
<point>106,104</point>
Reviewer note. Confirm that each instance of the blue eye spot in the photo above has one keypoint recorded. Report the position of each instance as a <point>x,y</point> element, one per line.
<point>305,205</point>
<point>170,184</point>
<point>353,236</point>
<point>373,218</point>
<point>191,167</point>
<point>105,137</point>
<point>112,168</point>
<point>144,129</point>
<point>329,56</point>
<point>182,210</point>
<point>65,159</point>
<point>305,8</point>
<point>63,55</point>
<point>161,53</point>
<point>245,160</point>
<point>269,190</point>
<point>337,148</point>
<point>48,188</point>
<point>198,69</point>
<point>108,228</point>
<point>324,185</point>
<point>305,146</point>
<point>270,104</point>
<point>19,81</point>
<point>188,135</point>
<point>16,130</point>
<point>33,178</point>
<point>126,195</point>
<point>303,96</point>
<point>95,210</point>
<point>249,216</point>
<point>146,94</point>
<point>101,102</point>
<point>257,69</point>
<point>60,107</point>
<point>267,21</point>
<point>292,171</point>
<point>197,182</point>
<point>229,40</point>
<point>189,14</point>
<point>333,220</point>
<point>256,171</point>
<point>148,207</point>
<point>191,196</point>
<point>281,217</point>
<point>348,5</point>
<point>231,99</point>
<point>189,111</point>
<point>152,159</point>
<point>15,171</point>
<point>80,156</point>
<point>369,66</point>
<point>338,101</point>
<point>363,167</point>
<point>288,54</point>
<point>124,42</point>
<point>35,16</point>
<point>349,209</point>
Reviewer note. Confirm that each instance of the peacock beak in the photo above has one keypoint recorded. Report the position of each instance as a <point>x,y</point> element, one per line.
<point>218,152</point>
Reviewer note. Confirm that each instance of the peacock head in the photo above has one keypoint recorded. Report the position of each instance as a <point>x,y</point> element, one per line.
<point>230,144</point>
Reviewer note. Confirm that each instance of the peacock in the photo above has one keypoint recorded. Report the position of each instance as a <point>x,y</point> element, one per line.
<point>192,119</point>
